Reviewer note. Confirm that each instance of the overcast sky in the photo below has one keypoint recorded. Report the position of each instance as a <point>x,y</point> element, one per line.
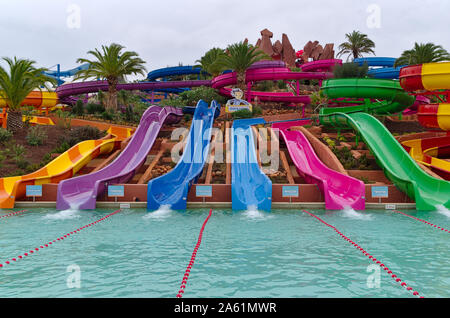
<point>167,32</point>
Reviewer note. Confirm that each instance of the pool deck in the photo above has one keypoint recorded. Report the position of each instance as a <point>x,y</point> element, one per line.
<point>219,205</point>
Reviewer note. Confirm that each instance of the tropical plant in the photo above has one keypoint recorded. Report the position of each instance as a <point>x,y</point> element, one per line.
<point>351,70</point>
<point>15,85</point>
<point>204,93</point>
<point>112,64</point>
<point>356,45</point>
<point>36,136</point>
<point>211,62</point>
<point>5,135</point>
<point>423,53</point>
<point>239,57</point>
<point>318,101</point>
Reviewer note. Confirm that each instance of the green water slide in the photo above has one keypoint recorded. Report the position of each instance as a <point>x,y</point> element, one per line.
<point>384,97</point>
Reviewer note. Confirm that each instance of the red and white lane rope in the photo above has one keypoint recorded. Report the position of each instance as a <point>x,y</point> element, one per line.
<point>12,214</point>
<point>423,221</point>
<point>194,254</point>
<point>373,259</point>
<point>59,239</point>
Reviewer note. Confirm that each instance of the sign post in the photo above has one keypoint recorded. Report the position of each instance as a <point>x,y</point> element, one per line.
<point>380,193</point>
<point>34,191</point>
<point>290,192</point>
<point>203,191</point>
<point>115,192</point>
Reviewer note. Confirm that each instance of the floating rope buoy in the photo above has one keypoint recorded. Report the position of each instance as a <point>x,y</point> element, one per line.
<point>373,259</point>
<point>12,214</point>
<point>32,251</point>
<point>194,254</point>
<point>423,221</point>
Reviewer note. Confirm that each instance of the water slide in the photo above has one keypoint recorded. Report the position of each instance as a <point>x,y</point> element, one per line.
<point>433,78</point>
<point>380,67</point>
<point>273,71</point>
<point>63,167</point>
<point>38,99</point>
<point>398,166</point>
<point>428,152</point>
<point>340,191</point>
<point>65,92</point>
<point>251,188</point>
<point>82,192</point>
<point>172,188</point>
<point>69,73</point>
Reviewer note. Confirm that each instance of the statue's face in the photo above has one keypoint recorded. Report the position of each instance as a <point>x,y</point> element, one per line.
<point>238,94</point>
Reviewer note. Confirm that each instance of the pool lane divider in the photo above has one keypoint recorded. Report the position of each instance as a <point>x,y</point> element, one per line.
<point>59,239</point>
<point>373,259</point>
<point>192,261</point>
<point>425,222</point>
<point>13,214</point>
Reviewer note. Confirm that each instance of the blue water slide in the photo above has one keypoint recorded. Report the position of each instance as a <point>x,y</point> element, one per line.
<point>173,71</point>
<point>250,188</point>
<point>58,74</point>
<point>380,67</point>
<point>172,189</point>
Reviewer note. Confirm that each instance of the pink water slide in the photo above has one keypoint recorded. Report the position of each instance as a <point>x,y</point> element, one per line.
<point>275,71</point>
<point>340,191</point>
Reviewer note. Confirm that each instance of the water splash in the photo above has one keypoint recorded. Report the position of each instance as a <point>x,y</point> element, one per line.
<point>64,215</point>
<point>352,214</point>
<point>163,212</point>
<point>253,213</point>
<point>443,210</point>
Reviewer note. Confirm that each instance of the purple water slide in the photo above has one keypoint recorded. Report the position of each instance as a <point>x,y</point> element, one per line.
<point>272,73</point>
<point>321,65</point>
<point>82,192</point>
<point>66,91</point>
<point>340,191</point>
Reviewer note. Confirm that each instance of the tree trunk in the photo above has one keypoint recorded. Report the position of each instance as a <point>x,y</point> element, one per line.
<point>112,95</point>
<point>241,82</point>
<point>14,122</point>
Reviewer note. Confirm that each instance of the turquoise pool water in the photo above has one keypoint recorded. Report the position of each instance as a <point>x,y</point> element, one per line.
<point>285,253</point>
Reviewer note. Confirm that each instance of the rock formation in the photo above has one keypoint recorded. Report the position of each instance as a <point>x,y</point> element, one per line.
<point>280,50</point>
<point>283,50</point>
<point>315,51</point>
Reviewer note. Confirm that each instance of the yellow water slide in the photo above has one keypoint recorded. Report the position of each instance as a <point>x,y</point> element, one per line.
<point>63,167</point>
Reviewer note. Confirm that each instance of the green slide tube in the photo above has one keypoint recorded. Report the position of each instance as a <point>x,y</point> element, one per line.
<point>428,192</point>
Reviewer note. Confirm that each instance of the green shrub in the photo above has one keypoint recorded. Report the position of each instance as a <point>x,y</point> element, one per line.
<point>5,135</point>
<point>256,111</point>
<point>62,148</point>
<point>208,94</point>
<point>281,84</point>
<point>187,117</point>
<point>350,70</point>
<point>78,109</point>
<point>174,102</point>
<point>36,136</point>
<point>92,108</point>
<point>106,115</point>
<point>22,164</point>
<point>242,114</point>
<point>79,134</point>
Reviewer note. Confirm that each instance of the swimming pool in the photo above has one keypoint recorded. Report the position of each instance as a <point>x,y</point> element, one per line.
<point>285,253</point>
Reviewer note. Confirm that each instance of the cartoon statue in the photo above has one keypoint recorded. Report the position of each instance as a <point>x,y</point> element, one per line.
<point>237,103</point>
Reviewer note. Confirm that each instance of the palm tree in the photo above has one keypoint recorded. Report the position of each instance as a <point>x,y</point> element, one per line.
<point>113,65</point>
<point>211,62</point>
<point>23,77</point>
<point>423,53</point>
<point>239,57</point>
<point>357,44</point>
